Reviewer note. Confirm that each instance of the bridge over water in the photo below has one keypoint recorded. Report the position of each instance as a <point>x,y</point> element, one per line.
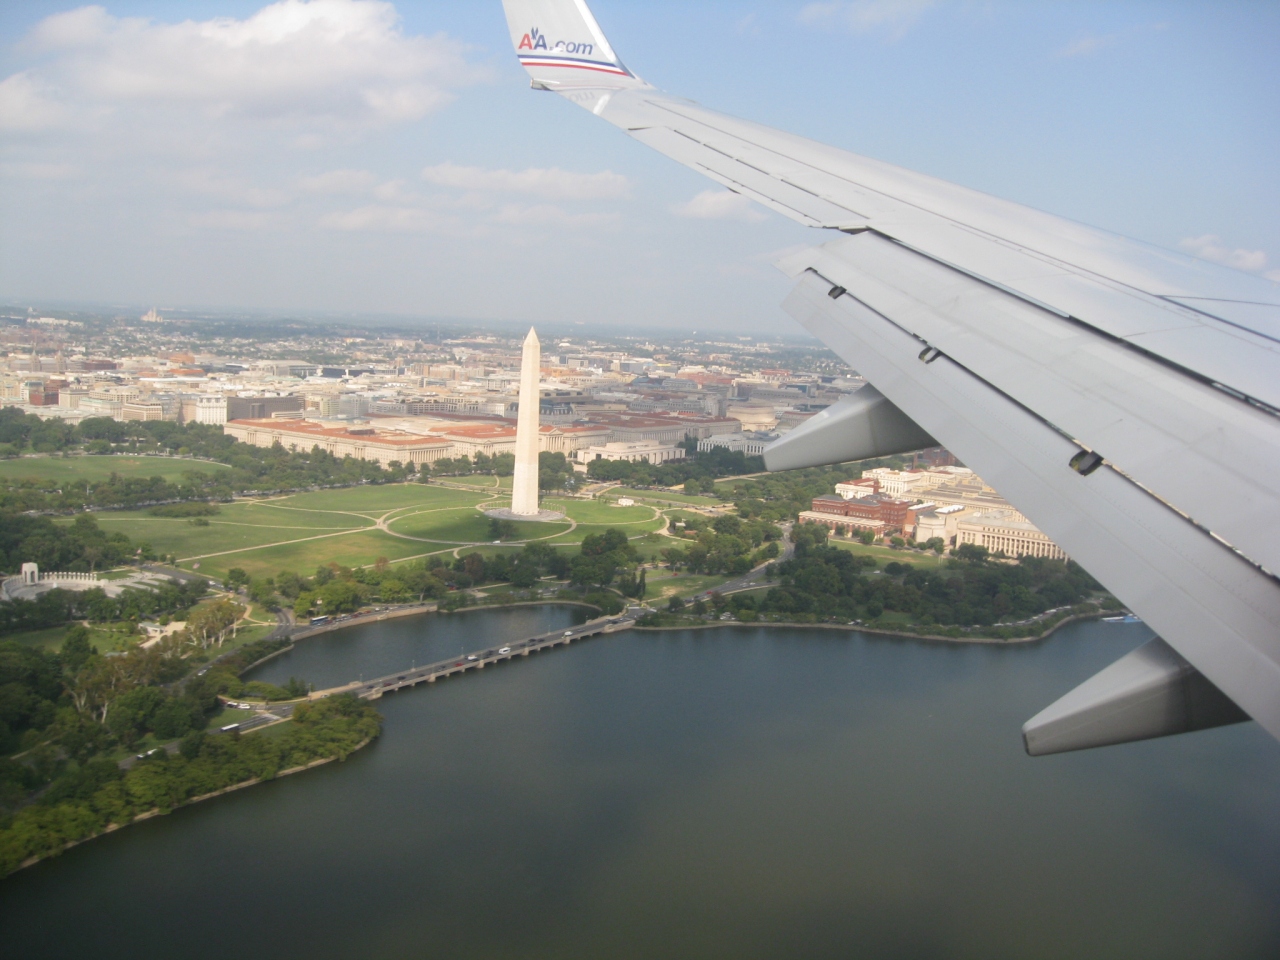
<point>475,660</point>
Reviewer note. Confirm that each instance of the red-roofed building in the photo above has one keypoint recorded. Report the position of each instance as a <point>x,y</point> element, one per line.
<point>880,514</point>
<point>363,442</point>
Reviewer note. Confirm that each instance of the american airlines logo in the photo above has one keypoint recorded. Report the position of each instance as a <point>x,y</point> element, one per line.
<point>535,39</point>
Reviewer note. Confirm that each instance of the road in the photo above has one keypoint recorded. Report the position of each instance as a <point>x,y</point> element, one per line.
<point>754,578</point>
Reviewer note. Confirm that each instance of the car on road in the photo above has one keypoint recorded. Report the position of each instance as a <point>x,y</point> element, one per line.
<point>472,656</point>
<point>505,650</point>
<point>568,633</point>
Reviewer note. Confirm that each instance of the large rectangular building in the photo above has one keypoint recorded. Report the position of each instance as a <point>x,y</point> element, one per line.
<point>672,429</point>
<point>1005,531</point>
<point>361,441</point>
<point>650,451</point>
<point>880,514</point>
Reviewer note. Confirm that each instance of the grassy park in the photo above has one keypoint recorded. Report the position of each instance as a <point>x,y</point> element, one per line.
<point>357,526</point>
<point>100,468</point>
<point>884,554</point>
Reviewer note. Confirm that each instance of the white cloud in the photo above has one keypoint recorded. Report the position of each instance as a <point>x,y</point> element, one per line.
<point>546,214</point>
<point>549,184</point>
<point>720,205</point>
<point>234,220</point>
<point>40,171</point>
<point>25,104</point>
<point>1211,247</point>
<point>895,17</point>
<point>323,60</point>
<point>213,184</point>
<point>1086,46</point>
<point>339,181</point>
<point>387,219</point>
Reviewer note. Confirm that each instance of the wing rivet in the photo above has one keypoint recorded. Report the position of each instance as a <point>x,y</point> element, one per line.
<point>835,293</point>
<point>1085,462</point>
<point>930,354</point>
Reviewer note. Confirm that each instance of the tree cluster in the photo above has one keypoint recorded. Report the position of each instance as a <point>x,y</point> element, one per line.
<point>826,581</point>
<point>253,469</point>
<point>555,472</point>
<point>97,793</point>
<point>726,544</point>
<point>781,496</point>
<point>701,467</point>
<point>172,599</point>
<point>81,547</point>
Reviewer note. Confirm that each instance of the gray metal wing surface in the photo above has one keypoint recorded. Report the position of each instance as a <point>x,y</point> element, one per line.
<point>1126,398</point>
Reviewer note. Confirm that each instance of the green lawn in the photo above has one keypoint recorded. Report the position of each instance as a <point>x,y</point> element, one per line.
<point>376,500</point>
<point>468,526</point>
<point>181,538</point>
<point>598,511</point>
<point>668,496</point>
<point>99,468</point>
<point>358,549</point>
<point>884,554</point>
<point>485,483</point>
<point>50,640</point>
<point>632,530</point>
<point>662,584</point>
<point>106,637</point>
<point>302,531</point>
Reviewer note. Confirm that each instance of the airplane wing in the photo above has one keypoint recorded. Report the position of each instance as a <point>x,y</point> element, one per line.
<point>1126,398</point>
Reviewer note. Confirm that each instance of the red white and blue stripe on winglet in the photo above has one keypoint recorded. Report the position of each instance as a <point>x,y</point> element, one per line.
<point>573,63</point>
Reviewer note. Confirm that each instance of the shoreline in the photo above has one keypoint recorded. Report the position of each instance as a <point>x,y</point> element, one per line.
<point>157,812</point>
<point>361,621</point>
<point>937,638</point>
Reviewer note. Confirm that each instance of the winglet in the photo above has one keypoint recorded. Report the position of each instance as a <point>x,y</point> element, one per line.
<point>562,46</point>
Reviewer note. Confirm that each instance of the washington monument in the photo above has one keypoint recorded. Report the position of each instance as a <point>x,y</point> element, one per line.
<point>524,487</point>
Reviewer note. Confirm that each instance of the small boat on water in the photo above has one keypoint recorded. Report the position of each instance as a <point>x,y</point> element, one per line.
<point>1127,618</point>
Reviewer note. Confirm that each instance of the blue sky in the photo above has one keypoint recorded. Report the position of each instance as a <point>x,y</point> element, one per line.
<point>352,156</point>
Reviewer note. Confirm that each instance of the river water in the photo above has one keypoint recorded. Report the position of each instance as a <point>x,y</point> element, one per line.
<point>735,793</point>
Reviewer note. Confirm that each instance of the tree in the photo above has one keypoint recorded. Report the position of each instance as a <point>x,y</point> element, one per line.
<point>133,713</point>
<point>866,537</point>
<point>339,596</point>
<point>303,604</point>
<point>502,529</point>
<point>972,553</point>
<point>289,584</point>
<point>76,649</point>
<point>262,590</point>
<point>209,624</point>
<point>235,578</point>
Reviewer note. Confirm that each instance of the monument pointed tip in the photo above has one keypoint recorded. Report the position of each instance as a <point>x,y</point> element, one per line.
<point>532,337</point>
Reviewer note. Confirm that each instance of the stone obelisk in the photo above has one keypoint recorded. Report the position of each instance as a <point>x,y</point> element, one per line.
<point>524,487</point>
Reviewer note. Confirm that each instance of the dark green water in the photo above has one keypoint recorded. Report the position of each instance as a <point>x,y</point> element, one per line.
<point>738,793</point>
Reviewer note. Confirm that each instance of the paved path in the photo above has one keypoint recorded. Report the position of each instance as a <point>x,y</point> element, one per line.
<point>755,577</point>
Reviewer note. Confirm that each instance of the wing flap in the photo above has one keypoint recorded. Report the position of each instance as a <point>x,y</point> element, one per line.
<point>1212,605</point>
<point>1176,436</point>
